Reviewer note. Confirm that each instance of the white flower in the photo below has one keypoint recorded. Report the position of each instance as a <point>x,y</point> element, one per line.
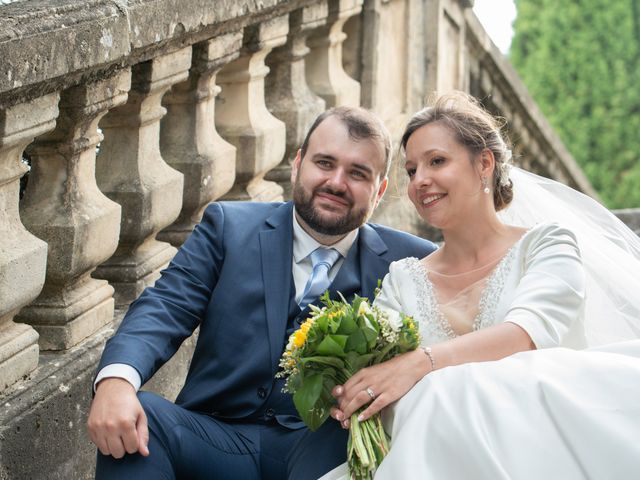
<point>390,324</point>
<point>364,308</point>
<point>394,319</point>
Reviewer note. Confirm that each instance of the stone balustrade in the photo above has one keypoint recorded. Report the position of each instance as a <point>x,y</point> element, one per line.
<point>136,115</point>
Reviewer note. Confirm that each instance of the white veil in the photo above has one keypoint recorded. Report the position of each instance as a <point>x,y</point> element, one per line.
<point>610,252</point>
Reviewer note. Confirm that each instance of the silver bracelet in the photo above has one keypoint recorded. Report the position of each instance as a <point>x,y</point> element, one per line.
<point>429,353</point>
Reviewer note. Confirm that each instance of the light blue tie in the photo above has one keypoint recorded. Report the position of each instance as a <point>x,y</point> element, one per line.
<point>322,260</point>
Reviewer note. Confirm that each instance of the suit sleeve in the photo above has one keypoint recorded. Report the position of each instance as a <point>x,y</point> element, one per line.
<point>166,314</point>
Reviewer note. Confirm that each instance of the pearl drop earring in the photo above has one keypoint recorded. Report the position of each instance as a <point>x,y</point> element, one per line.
<point>485,184</point>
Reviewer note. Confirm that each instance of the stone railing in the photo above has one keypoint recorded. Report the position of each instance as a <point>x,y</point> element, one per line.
<point>135,115</point>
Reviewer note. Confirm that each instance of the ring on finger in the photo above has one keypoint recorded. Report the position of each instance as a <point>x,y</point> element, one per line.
<point>370,393</point>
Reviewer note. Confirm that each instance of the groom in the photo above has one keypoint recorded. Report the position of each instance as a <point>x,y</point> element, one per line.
<point>246,276</point>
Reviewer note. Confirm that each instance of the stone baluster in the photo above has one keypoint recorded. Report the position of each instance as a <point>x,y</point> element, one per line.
<point>288,96</point>
<point>131,171</point>
<point>23,257</point>
<point>242,116</point>
<point>188,138</point>
<point>325,72</point>
<point>64,207</point>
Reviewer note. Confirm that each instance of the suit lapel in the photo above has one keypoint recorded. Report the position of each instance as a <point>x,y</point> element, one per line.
<point>373,260</point>
<point>276,248</point>
<point>357,274</point>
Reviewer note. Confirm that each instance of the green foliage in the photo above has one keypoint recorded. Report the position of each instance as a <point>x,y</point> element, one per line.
<point>581,62</point>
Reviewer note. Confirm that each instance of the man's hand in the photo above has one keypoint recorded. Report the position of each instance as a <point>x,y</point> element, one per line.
<point>117,423</point>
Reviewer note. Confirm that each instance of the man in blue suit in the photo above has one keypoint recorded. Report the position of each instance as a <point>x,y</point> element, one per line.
<point>243,277</point>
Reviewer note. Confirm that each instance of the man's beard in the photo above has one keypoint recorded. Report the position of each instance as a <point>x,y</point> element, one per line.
<point>326,226</point>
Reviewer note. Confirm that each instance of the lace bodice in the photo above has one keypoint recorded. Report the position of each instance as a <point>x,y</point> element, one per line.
<point>538,285</point>
<point>433,323</point>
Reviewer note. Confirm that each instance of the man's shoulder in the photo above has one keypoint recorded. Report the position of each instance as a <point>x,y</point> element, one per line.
<point>245,207</point>
<point>234,212</point>
<point>393,233</point>
<point>398,240</point>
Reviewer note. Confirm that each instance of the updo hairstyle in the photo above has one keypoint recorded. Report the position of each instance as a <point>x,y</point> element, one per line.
<point>476,129</point>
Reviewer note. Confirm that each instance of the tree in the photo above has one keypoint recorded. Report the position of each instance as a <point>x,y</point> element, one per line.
<point>580,59</point>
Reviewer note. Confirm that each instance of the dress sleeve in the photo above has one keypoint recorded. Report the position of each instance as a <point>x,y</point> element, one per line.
<point>389,297</point>
<point>550,295</point>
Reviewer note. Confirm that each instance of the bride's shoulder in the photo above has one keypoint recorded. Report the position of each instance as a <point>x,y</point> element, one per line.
<point>548,234</point>
<point>404,268</point>
<point>403,265</point>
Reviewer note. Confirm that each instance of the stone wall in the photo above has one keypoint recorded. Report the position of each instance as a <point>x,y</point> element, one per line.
<point>137,114</point>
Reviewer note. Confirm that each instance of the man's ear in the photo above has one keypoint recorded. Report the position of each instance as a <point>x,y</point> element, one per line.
<point>295,166</point>
<point>381,189</point>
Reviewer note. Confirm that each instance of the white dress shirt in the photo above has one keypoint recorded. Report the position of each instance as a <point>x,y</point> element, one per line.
<point>303,245</point>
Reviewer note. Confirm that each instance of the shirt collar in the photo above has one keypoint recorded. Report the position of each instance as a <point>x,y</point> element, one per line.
<point>304,244</point>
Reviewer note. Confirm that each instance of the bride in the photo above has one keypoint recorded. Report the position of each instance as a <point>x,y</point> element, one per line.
<point>523,373</point>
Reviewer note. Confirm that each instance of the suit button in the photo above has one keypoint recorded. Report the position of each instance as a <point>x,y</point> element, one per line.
<point>270,412</point>
<point>262,392</point>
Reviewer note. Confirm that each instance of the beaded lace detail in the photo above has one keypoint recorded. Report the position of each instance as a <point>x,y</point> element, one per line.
<point>433,324</point>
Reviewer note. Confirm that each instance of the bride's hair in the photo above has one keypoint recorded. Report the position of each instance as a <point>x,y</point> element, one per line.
<point>476,129</point>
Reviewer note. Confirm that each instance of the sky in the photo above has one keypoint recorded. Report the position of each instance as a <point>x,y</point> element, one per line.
<point>496,17</point>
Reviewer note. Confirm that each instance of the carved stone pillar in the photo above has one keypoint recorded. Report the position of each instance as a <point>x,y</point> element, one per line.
<point>188,138</point>
<point>23,257</point>
<point>325,72</point>
<point>64,207</point>
<point>243,118</point>
<point>288,95</point>
<point>131,171</point>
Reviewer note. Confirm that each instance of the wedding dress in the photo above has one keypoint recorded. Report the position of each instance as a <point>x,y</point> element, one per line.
<point>551,413</point>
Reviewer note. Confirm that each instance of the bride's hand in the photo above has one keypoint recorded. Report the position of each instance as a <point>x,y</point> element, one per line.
<point>378,386</point>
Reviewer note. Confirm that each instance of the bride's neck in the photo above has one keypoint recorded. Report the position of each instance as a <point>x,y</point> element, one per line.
<point>475,243</point>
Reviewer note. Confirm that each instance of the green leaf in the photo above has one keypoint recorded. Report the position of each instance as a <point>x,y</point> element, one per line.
<point>305,400</point>
<point>355,361</point>
<point>332,361</point>
<point>371,336</point>
<point>332,345</point>
<point>357,342</point>
<point>347,326</point>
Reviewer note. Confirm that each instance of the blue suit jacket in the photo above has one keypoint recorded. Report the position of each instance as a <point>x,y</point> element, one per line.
<point>232,277</point>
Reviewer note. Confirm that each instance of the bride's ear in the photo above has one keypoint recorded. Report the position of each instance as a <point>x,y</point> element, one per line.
<point>486,163</point>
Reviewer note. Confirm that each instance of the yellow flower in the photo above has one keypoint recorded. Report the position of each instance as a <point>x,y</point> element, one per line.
<point>299,337</point>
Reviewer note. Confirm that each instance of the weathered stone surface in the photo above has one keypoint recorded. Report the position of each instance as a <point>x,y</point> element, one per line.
<point>42,40</point>
<point>49,45</point>
<point>188,138</point>
<point>64,207</point>
<point>325,72</point>
<point>387,34</point>
<point>243,118</point>
<point>288,96</point>
<point>43,419</point>
<point>22,255</point>
<point>131,172</point>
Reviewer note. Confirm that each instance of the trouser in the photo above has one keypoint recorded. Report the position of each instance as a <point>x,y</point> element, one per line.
<point>190,445</point>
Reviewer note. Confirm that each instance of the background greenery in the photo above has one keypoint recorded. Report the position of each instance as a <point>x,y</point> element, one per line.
<point>580,59</point>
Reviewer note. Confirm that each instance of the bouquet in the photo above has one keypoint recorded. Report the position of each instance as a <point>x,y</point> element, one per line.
<point>334,343</point>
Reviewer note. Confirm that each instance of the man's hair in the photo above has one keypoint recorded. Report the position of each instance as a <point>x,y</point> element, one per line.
<point>362,124</point>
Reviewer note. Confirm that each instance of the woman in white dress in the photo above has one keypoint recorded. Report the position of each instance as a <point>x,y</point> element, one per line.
<point>487,397</point>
